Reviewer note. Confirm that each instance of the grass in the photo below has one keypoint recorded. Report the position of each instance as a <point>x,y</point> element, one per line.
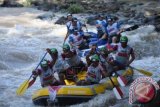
<point>75,8</point>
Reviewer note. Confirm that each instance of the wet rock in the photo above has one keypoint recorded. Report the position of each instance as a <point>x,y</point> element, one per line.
<point>157,23</point>
<point>149,12</point>
<point>62,20</point>
<point>91,20</point>
<point>153,20</point>
<point>49,7</point>
<point>47,16</point>
<point>101,7</point>
<point>8,3</point>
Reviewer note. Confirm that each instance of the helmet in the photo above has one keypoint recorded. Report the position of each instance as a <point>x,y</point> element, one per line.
<point>44,64</point>
<point>110,19</point>
<point>95,58</point>
<point>54,50</point>
<point>69,15</point>
<point>124,39</point>
<point>103,49</point>
<point>75,19</point>
<point>66,47</point>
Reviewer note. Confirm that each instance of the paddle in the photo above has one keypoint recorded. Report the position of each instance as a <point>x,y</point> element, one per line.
<point>121,80</point>
<point>147,73</point>
<point>23,87</point>
<point>66,37</point>
<point>117,91</point>
<point>132,28</point>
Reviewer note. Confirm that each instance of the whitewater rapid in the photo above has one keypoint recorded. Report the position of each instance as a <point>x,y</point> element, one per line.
<point>24,38</point>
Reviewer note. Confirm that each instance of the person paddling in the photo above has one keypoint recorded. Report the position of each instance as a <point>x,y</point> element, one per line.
<point>94,72</point>
<point>74,61</point>
<point>101,26</point>
<point>124,54</point>
<point>49,68</point>
<point>73,23</point>
<point>76,41</point>
<point>45,72</point>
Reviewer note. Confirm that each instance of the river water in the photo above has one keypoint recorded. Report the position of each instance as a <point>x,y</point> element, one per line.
<point>24,38</point>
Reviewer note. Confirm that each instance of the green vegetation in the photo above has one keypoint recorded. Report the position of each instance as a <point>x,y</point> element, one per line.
<point>27,3</point>
<point>75,8</point>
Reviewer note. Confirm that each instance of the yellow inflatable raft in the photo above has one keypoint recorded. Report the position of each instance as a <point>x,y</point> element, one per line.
<point>72,94</point>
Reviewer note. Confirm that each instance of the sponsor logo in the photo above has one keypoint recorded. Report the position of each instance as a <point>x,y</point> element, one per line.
<point>76,92</point>
<point>142,89</point>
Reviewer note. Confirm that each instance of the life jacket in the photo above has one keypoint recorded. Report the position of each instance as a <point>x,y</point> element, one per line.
<point>123,54</point>
<point>47,77</point>
<point>76,39</point>
<point>108,67</point>
<point>60,65</point>
<point>71,28</point>
<point>112,29</point>
<point>112,47</point>
<point>94,73</point>
<point>103,25</point>
<point>75,60</point>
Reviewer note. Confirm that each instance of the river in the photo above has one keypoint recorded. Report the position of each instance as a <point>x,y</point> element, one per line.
<point>24,38</point>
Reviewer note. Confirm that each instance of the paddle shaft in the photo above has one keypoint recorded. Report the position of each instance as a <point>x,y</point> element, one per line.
<point>134,68</point>
<point>41,60</point>
<point>147,73</point>
<point>112,82</point>
<point>35,69</point>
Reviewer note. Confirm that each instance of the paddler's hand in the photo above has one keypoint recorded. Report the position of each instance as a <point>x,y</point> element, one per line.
<point>48,50</point>
<point>63,56</point>
<point>34,72</point>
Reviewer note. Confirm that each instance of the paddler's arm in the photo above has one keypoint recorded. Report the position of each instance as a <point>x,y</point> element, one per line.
<point>105,36</point>
<point>35,74</point>
<point>52,56</point>
<point>66,36</point>
<point>132,57</point>
<point>103,71</point>
<point>88,60</point>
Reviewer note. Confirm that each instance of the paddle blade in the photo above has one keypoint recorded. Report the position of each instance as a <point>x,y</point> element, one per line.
<point>132,28</point>
<point>23,87</point>
<point>118,92</point>
<point>147,73</point>
<point>122,81</point>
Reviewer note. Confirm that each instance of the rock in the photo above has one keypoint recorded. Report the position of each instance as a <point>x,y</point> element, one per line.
<point>46,16</point>
<point>8,3</point>
<point>49,7</point>
<point>157,23</point>
<point>62,20</point>
<point>149,12</point>
<point>153,20</point>
<point>91,20</point>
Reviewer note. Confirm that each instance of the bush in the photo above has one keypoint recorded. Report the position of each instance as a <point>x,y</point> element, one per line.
<point>27,3</point>
<point>75,8</point>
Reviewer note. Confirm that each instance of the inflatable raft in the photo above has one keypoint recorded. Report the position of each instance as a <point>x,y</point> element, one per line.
<point>72,94</point>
